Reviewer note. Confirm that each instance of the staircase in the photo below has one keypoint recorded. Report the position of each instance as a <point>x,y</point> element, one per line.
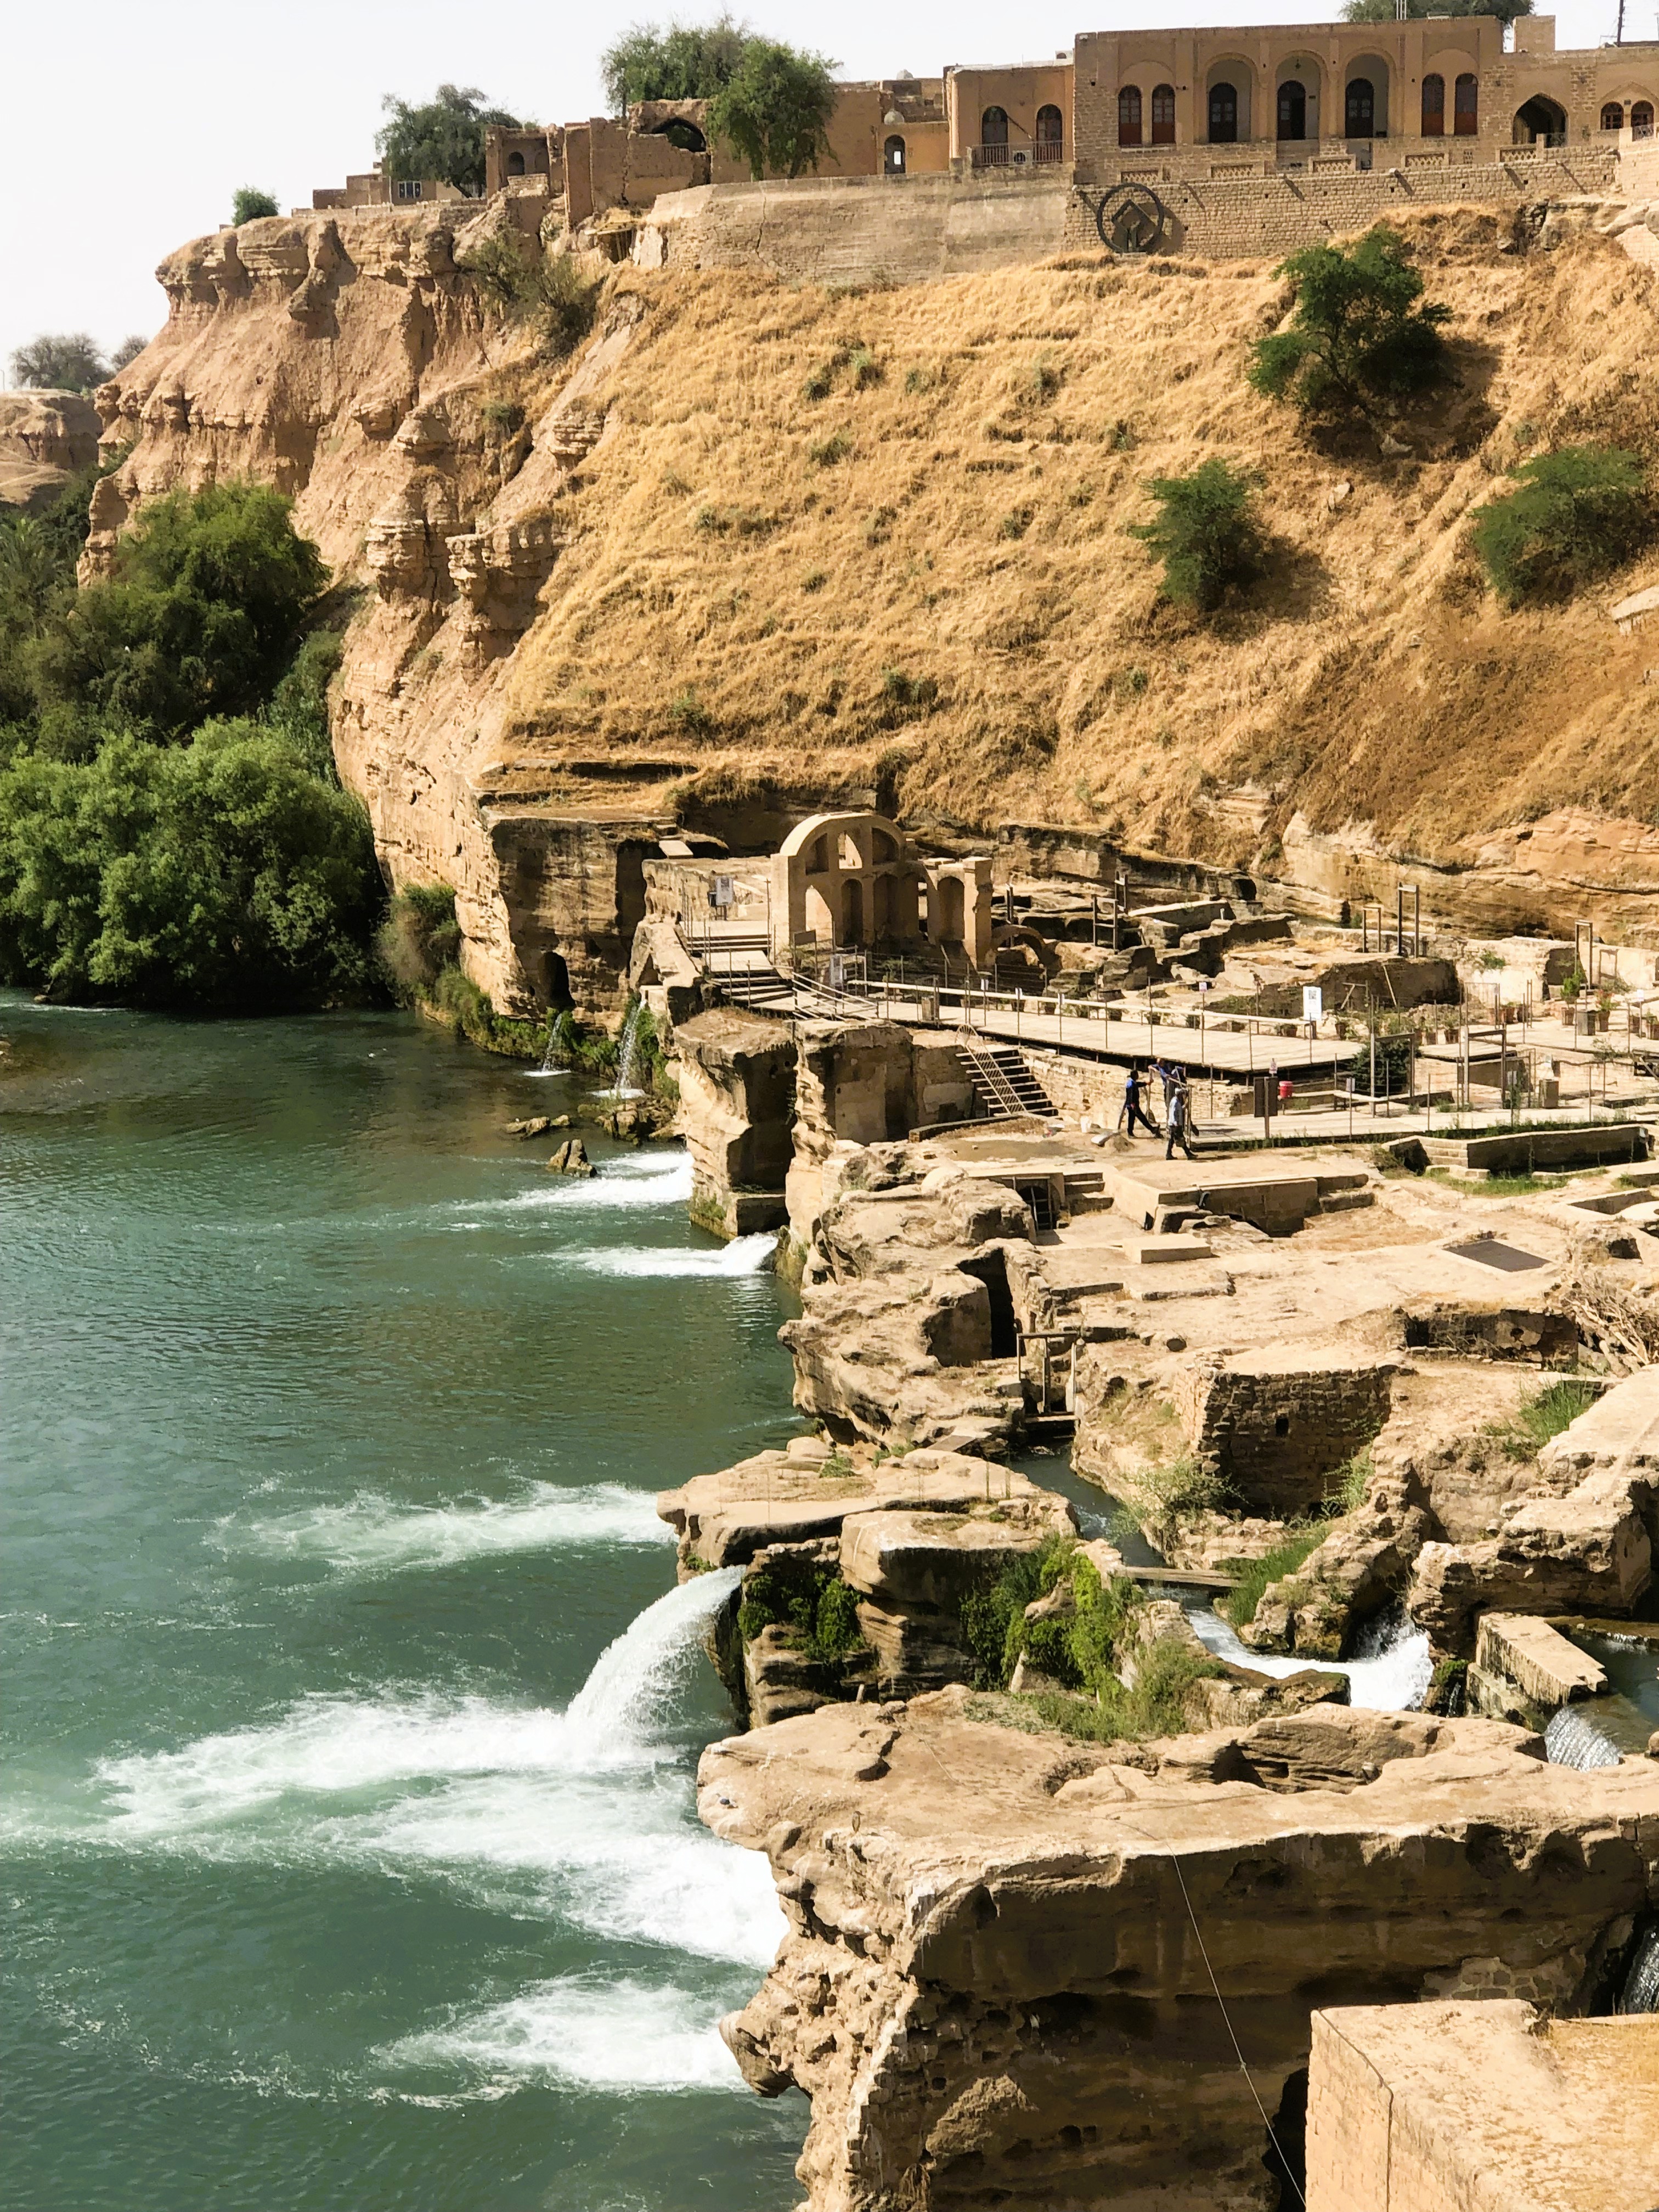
<point>1004,1085</point>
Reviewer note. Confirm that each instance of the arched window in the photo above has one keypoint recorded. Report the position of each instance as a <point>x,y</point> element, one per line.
<point>1360,114</point>
<point>1641,118</point>
<point>1293,109</point>
<point>1163,115</point>
<point>1223,114</point>
<point>1050,132</point>
<point>994,127</point>
<point>515,165</point>
<point>892,157</point>
<point>1466,106</point>
<point>1613,115</point>
<point>1434,107</point>
<point>1128,115</point>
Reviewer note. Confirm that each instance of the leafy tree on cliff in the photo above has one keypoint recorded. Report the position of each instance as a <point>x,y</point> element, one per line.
<point>1206,533</point>
<point>1360,331</point>
<point>128,349</point>
<point>248,203</point>
<point>687,61</point>
<point>775,114</point>
<point>1385,11</point>
<point>61,361</point>
<point>210,598</point>
<point>443,138</point>
<point>1573,515</point>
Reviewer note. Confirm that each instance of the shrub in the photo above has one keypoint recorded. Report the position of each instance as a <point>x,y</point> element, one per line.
<point>774,111</point>
<point>299,706</point>
<point>419,937</point>
<point>1016,522</point>
<point>248,203</point>
<point>442,139</point>
<point>218,875</point>
<point>826,452</point>
<point>1543,1414</point>
<point>208,603</point>
<point>1283,1559</point>
<point>1360,331</point>
<point>819,1609</point>
<point>546,290</point>
<point>863,368</point>
<point>1573,515</point>
<point>1206,533</point>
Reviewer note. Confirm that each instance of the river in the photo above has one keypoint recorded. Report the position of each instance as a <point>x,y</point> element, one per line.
<point>329,1429</point>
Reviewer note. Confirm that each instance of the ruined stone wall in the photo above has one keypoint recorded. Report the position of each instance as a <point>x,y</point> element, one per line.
<point>1273,1433</point>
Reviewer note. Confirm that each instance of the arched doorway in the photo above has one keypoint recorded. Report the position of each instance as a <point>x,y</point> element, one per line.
<point>946,927</point>
<point>994,129</point>
<point>686,136</point>
<point>1223,114</point>
<point>1128,115</point>
<point>892,157</point>
<point>1434,107</point>
<point>1050,135</point>
<point>1467,105</point>
<point>1163,115</point>
<point>1359,109</point>
<point>1293,109</point>
<point>515,165</point>
<point>1540,122</point>
<point>852,912</point>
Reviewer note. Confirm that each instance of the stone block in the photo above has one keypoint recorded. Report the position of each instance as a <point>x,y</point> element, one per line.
<point>1537,1658</point>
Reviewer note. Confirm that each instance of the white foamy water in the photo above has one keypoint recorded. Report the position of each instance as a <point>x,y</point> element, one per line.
<point>374,1534</point>
<point>611,2034</point>
<point>744,1255</point>
<point>582,1816</point>
<point>650,1179</point>
<point>1392,1677</point>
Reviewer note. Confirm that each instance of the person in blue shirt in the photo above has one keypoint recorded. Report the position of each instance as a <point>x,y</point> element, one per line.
<point>1135,1107</point>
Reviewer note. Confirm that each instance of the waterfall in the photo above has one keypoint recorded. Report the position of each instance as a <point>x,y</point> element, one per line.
<point>552,1065</point>
<point>1641,1989</point>
<point>1574,1738</point>
<point>1388,1672</point>
<point>623,1086</point>
<point>630,1675</point>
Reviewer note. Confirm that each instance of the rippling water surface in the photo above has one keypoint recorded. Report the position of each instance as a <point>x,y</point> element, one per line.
<point>349,1860</point>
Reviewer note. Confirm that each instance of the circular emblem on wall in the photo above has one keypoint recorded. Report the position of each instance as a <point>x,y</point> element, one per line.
<point>1132,219</point>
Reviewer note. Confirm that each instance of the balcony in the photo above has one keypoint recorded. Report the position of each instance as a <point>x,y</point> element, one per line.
<point>1037,154</point>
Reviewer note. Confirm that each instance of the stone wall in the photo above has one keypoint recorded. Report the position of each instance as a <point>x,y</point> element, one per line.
<point>1274,1427</point>
<point>737,1082</point>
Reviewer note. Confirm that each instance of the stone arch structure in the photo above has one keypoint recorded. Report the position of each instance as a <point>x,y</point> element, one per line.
<point>1227,84</point>
<point>947,911</point>
<point>1163,115</point>
<point>1366,86</point>
<point>515,163</point>
<point>846,879</point>
<point>1540,119</point>
<point>994,127</point>
<point>1128,115</point>
<point>892,157</point>
<point>1296,101</point>
<point>1050,130</point>
<point>1434,106</point>
<point>1466,105</point>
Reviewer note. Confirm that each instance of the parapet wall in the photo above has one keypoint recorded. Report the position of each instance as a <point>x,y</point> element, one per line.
<point>860,230</point>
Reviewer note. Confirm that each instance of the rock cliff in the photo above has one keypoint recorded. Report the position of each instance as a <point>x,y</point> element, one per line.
<point>1015,1965</point>
<point>757,543</point>
<point>44,437</point>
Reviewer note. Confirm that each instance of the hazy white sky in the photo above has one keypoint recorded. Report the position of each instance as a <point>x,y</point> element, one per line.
<point>125,132</point>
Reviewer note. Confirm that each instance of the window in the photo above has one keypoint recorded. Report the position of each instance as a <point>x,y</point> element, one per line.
<point>1466,102</point>
<point>892,157</point>
<point>1223,115</point>
<point>1050,132</point>
<point>994,127</point>
<point>1128,115</point>
<point>1613,117</point>
<point>1434,107</point>
<point>1292,110</point>
<point>1359,119</point>
<point>1163,115</point>
<point>408,188</point>
<point>515,165</point>
<point>1641,118</point>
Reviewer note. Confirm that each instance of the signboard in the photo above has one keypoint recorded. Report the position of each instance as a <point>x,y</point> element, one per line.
<point>725,893</point>
<point>1313,1002</point>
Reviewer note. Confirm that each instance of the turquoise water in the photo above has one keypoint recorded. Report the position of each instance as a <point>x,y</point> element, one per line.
<point>328,1427</point>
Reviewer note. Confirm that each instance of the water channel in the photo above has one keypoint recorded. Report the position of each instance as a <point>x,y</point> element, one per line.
<point>349,1856</point>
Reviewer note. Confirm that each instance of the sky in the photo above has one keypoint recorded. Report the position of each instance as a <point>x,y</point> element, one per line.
<point>108,166</point>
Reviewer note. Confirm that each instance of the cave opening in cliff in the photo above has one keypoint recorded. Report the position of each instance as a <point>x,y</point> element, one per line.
<point>1286,2155</point>
<point>992,1270</point>
<point>557,985</point>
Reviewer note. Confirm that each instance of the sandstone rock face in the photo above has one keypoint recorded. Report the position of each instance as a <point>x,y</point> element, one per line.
<point>736,1080</point>
<point>44,437</point>
<point>1521,1663</point>
<point>1362,1567</point>
<point>1589,1552</point>
<point>992,1986</point>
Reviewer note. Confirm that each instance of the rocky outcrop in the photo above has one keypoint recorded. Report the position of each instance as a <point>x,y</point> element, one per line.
<point>995,1984</point>
<point>45,438</point>
<point>737,1079</point>
<point>1361,1567</point>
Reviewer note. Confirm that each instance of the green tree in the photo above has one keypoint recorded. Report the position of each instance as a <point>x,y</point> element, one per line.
<point>1360,331</point>
<point>1573,515</point>
<point>1386,11</point>
<point>774,113</point>
<point>249,204</point>
<point>61,361</point>
<point>209,600</point>
<point>443,138</point>
<point>686,61</point>
<point>1206,533</point>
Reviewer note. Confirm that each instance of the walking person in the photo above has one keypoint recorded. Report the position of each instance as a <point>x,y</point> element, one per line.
<point>1178,1112</point>
<point>1134,1109</point>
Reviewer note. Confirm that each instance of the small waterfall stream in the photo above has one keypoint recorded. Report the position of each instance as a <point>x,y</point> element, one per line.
<point>624,1086</point>
<point>1574,1739</point>
<point>1389,1671</point>
<point>631,1675</point>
